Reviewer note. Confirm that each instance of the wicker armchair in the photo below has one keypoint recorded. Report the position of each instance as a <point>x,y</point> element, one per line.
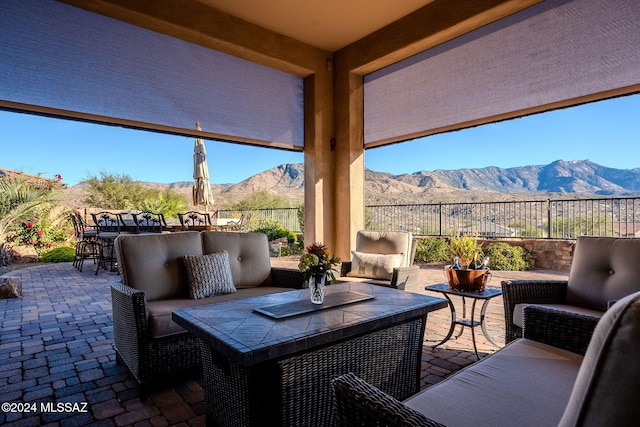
<point>357,403</point>
<point>603,270</point>
<point>536,385</point>
<point>375,249</point>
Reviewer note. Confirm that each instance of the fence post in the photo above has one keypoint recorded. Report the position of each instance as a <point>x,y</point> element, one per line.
<point>440,218</point>
<point>548,219</point>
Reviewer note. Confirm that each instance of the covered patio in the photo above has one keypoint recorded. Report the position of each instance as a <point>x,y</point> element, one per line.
<point>57,346</point>
<point>426,68</point>
<point>330,79</point>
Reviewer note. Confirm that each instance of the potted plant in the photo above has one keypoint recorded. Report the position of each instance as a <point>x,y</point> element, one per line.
<point>466,273</point>
<point>316,265</point>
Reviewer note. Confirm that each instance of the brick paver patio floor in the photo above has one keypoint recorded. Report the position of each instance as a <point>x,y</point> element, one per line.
<point>56,346</point>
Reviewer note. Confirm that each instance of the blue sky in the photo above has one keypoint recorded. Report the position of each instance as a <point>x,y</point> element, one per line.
<point>606,132</point>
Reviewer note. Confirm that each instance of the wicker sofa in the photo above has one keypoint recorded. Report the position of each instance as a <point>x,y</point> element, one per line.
<point>382,258</point>
<point>154,283</point>
<point>603,270</point>
<point>526,383</point>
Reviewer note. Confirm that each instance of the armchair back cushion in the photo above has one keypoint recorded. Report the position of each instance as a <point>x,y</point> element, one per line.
<point>387,243</point>
<point>248,256</point>
<point>153,263</point>
<point>603,269</point>
<point>607,388</point>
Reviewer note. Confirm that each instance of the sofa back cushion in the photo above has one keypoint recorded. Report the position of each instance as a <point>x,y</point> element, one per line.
<point>153,263</point>
<point>603,269</point>
<point>607,388</point>
<point>386,243</point>
<point>248,256</point>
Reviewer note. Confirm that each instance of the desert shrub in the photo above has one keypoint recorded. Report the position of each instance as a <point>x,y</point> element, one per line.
<point>120,191</point>
<point>166,202</point>
<point>49,228</point>
<point>431,249</point>
<point>115,191</point>
<point>291,249</point>
<point>20,201</point>
<point>503,256</point>
<point>273,230</point>
<point>300,214</point>
<point>59,254</point>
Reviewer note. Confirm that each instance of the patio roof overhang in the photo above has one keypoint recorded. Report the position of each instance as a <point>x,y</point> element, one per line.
<point>333,51</point>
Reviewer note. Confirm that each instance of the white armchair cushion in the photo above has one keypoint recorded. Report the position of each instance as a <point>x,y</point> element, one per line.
<point>374,266</point>
<point>386,242</point>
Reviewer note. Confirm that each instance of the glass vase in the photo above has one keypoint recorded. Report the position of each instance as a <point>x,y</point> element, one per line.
<point>316,288</point>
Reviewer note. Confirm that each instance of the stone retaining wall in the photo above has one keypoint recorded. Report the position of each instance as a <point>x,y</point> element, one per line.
<point>548,254</point>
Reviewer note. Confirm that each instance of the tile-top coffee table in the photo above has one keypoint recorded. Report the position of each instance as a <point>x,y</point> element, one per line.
<point>266,368</point>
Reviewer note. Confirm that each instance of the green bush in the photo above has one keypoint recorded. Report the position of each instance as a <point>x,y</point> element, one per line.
<point>59,254</point>
<point>431,249</point>
<point>294,249</point>
<point>273,230</point>
<point>503,256</point>
<point>168,202</point>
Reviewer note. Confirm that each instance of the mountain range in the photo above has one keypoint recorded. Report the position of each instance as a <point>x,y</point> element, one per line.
<point>560,177</point>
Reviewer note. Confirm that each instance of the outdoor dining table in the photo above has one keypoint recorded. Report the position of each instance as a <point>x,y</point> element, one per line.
<point>269,360</point>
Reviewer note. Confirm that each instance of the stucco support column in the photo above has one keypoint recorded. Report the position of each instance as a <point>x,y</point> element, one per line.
<point>319,159</point>
<point>349,159</point>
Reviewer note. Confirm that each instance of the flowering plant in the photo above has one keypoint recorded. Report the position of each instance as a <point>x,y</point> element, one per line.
<point>318,261</point>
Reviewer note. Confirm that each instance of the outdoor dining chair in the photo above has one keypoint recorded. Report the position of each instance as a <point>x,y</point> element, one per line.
<point>86,242</point>
<point>149,222</point>
<point>193,220</point>
<point>241,224</point>
<point>109,225</point>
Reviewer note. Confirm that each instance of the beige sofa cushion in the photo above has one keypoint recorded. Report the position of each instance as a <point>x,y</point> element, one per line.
<point>161,323</point>
<point>526,383</point>
<point>375,266</point>
<point>389,242</point>
<point>603,269</point>
<point>248,256</point>
<point>153,263</point>
<point>209,274</point>
<point>607,388</point>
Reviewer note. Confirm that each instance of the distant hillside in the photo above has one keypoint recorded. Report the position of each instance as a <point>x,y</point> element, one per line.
<point>560,177</point>
<point>567,178</point>
<point>578,176</point>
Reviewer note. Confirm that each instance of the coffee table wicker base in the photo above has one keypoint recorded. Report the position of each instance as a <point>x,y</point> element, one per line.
<point>296,391</point>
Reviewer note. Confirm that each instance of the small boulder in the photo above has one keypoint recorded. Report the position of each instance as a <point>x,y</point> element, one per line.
<point>276,245</point>
<point>10,287</point>
<point>22,254</point>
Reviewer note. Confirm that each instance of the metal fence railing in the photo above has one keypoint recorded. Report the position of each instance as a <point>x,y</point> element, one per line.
<point>553,219</point>
<point>287,217</point>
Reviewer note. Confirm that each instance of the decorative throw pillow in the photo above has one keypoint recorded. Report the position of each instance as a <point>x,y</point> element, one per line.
<point>374,266</point>
<point>209,274</point>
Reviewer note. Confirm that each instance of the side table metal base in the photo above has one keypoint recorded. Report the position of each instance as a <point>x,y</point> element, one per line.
<point>469,322</point>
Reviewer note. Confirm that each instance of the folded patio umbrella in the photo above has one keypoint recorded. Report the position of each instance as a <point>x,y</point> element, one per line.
<point>202,194</point>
